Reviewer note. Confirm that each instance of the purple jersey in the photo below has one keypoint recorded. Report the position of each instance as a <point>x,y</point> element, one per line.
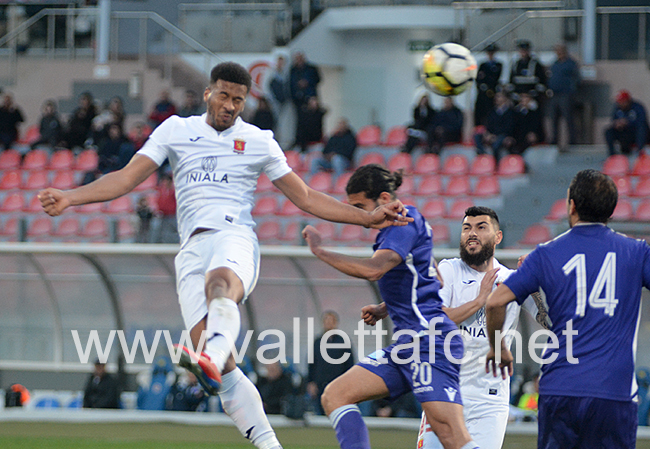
<point>592,276</point>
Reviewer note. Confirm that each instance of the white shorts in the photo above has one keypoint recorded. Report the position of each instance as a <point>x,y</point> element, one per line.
<point>486,423</point>
<point>234,249</point>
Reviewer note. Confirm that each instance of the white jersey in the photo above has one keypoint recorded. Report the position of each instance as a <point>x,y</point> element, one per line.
<point>215,173</point>
<point>462,285</point>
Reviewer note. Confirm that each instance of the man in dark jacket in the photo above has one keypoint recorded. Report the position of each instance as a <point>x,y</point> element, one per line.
<point>629,124</point>
<point>447,126</point>
<point>487,80</point>
<point>527,72</point>
<point>338,152</point>
<point>528,123</point>
<point>303,79</point>
<point>10,118</point>
<point>499,128</point>
<point>423,115</point>
<point>102,389</point>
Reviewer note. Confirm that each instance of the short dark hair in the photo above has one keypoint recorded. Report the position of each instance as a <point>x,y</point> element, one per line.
<point>373,179</point>
<point>476,211</point>
<point>231,72</point>
<point>594,194</point>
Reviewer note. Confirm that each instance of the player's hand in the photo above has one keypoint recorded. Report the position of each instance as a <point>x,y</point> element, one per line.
<point>391,214</point>
<point>372,313</point>
<point>53,201</point>
<point>312,237</point>
<point>505,365</point>
<point>487,284</point>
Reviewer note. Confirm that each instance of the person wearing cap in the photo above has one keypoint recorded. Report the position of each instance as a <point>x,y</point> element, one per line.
<point>629,124</point>
<point>102,389</point>
<point>487,80</point>
<point>563,80</point>
<point>527,73</point>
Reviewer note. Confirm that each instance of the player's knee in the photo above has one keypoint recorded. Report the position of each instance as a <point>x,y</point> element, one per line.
<point>330,400</point>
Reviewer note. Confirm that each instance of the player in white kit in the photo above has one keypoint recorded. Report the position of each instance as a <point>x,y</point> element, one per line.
<point>216,160</point>
<point>467,282</point>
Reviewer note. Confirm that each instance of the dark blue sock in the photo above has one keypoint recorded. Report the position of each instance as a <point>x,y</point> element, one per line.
<point>351,431</point>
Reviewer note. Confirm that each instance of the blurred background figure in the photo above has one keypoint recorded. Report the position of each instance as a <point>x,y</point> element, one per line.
<point>186,395</point>
<point>487,80</point>
<point>162,110</point>
<point>563,81</point>
<point>423,115</point>
<point>263,117</point>
<point>167,231</point>
<point>79,126</point>
<point>50,127</point>
<point>309,129</point>
<point>145,215</point>
<point>115,151</point>
<point>102,389</point>
<point>447,126</point>
<point>338,153</point>
<point>498,130</point>
<point>303,78</point>
<point>275,388</point>
<point>155,384</point>
<point>10,119</point>
<point>527,73</point>
<point>528,128</point>
<point>629,126</point>
<point>192,105</point>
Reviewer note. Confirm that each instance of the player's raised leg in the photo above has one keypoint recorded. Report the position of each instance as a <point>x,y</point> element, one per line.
<point>340,400</point>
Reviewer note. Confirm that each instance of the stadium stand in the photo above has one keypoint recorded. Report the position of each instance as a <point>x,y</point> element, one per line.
<point>264,184</point>
<point>67,228</point>
<point>558,210</point>
<point>63,180</point>
<point>13,202</point>
<point>457,186</point>
<point>536,234</point>
<point>35,160</point>
<point>10,159</point>
<point>642,189</point>
<point>350,235</point>
<point>11,180</point>
<point>511,165</point>
<point>624,210</point>
<point>340,184</point>
<point>95,229</point>
<point>372,158</point>
<point>455,165</point>
<point>395,137</point>
<point>457,209</point>
<point>268,232</point>
<point>433,209</point>
<point>427,164</point>
<point>368,136</point>
<point>641,166</point>
<point>429,185</point>
<point>39,229</point>
<point>616,165</point>
<point>487,187</point>
<point>483,165</point>
<point>400,161</point>
<point>623,185</point>
<point>62,160</point>
<point>321,181</point>
<point>441,234</point>
<point>87,160</point>
<point>36,180</point>
<point>265,206</point>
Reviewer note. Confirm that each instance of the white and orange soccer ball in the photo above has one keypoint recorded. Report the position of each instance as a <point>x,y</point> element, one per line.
<point>448,69</point>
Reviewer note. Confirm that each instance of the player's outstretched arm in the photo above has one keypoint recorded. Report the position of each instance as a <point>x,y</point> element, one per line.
<point>106,188</point>
<point>328,208</point>
<point>369,268</point>
<point>495,311</point>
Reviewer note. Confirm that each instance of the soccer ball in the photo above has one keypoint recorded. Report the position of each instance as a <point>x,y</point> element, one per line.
<point>448,69</point>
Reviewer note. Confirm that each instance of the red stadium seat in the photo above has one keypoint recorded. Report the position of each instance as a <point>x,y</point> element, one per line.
<point>511,165</point>
<point>351,234</point>
<point>35,160</point>
<point>33,206</point>
<point>95,229</point>
<point>288,209</point>
<point>326,229</point>
<point>400,161</point>
<point>39,227</point>
<point>11,179</point>
<point>269,231</point>
<point>10,159</point>
<point>36,180</point>
<point>264,184</point>
<point>87,160</point>
<point>457,186</point>
<point>62,160</point>
<point>623,185</point>
<point>121,205</point>
<point>14,202</point>
<point>293,159</point>
<point>32,134</point>
<point>455,165</point>
<point>407,186</point>
<point>433,209</point>
<point>68,227</point>
<point>536,234</point>
<point>558,210</point>
<point>641,166</point>
<point>291,233</point>
<point>321,181</point>
<point>148,184</point>
<point>457,209</point>
<point>642,212</point>
<point>264,206</point>
<point>486,187</point>
<point>483,165</point>
<point>9,229</point>
<point>396,136</point>
<point>624,211</point>
<point>441,233</point>
<point>616,165</point>
<point>372,158</point>
<point>369,135</point>
<point>341,183</point>
<point>642,189</point>
<point>64,180</point>
<point>427,164</point>
<point>430,185</point>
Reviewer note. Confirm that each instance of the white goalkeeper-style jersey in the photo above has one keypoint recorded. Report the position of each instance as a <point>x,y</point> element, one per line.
<point>215,173</point>
<point>462,285</point>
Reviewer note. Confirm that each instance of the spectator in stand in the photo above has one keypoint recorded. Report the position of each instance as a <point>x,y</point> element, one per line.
<point>102,389</point>
<point>139,135</point>
<point>499,129</point>
<point>563,80</point>
<point>528,123</point>
<point>145,215</point>
<point>303,80</point>
<point>50,128</point>
<point>275,388</point>
<point>263,117</point>
<point>186,395</point>
<point>487,80</point>
<point>112,114</point>
<point>80,124</point>
<point>115,151</point>
<point>447,126</point>
<point>192,105</point>
<point>10,118</point>
<point>629,125</point>
<point>527,72</point>
<point>277,86</point>
<point>166,197</point>
<point>322,372</point>
<point>338,152</point>
<point>162,110</point>
<point>309,128</point>
<point>423,115</point>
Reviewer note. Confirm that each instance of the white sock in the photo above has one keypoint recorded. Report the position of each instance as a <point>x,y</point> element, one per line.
<point>222,330</point>
<point>242,402</point>
<point>471,445</point>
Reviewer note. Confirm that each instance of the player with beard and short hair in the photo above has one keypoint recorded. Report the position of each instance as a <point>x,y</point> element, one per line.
<point>467,283</point>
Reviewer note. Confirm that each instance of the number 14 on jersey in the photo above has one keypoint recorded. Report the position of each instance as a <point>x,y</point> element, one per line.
<point>605,281</point>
